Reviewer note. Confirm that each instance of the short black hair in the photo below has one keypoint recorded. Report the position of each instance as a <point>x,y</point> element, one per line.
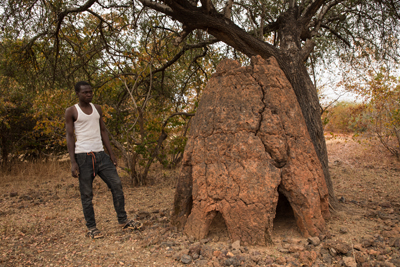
<point>79,84</point>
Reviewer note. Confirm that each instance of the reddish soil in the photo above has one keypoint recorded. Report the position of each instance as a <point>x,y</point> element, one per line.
<point>41,221</point>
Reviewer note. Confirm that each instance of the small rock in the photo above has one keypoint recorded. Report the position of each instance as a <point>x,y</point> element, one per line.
<point>326,258</point>
<point>230,255</point>
<point>255,256</point>
<point>283,250</point>
<point>13,194</point>
<point>204,241</point>
<point>217,253</point>
<point>383,215</point>
<point>206,251</point>
<point>395,242</point>
<point>186,259</point>
<point>388,264</point>
<point>236,244</point>
<point>294,241</point>
<point>281,260</point>
<point>361,257</point>
<point>338,246</point>
<point>389,234</point>
<point>386,205</point>
<point>349,262</point>
<point>373,252</point>
<point>177,256</point>
<point>168,244</point>
<point>201,263</point>
<point>332,251</point>
<point>380,258</point>
<point>395,261</point>
<point>343,230</point>
<point>367,242</point>
<point>25,197</point>
<point>268,261</point>
<point>308,258</point>
<point>195,248</point>
<point>292,264</point>
<point>314,240</point>
<point>296,248</point>
<point>232,261</point>
<point>244,249</point>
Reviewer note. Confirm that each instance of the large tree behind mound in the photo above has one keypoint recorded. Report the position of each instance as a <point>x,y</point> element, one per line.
<point>248,141</point>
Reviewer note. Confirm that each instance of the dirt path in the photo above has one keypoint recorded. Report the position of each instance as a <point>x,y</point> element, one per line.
<point>41,223</point>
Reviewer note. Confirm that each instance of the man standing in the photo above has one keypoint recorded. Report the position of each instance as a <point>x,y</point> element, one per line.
<point>88,157</point>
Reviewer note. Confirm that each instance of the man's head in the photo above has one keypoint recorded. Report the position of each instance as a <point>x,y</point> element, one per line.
<point>78,85</point>
<point>84,92</point>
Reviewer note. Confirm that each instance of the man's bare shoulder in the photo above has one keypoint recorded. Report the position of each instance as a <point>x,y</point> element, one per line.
<point>71,112</point>
<point>98,107</point>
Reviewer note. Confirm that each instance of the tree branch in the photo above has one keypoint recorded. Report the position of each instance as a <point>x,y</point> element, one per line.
<point>335,33</point>
<point>176,114</point>
<point>183,50</point>
<point>228,9</point>
<point>396,10</point>
<point>207,5</point>
<point>312,9</point>
<point>306,50</point>
<point>159,7</point>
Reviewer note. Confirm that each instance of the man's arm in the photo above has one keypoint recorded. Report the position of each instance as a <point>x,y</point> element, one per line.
<point>104,136</point>
<point>69,126</point>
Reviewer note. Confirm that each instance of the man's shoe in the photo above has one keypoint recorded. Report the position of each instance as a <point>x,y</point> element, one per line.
<point>132,225</point>
<point>94,233</point>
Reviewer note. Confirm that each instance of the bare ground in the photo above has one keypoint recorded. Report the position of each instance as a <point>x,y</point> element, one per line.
<point>41,222</point>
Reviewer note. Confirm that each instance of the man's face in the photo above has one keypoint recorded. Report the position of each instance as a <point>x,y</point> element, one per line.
<point>85,94</point>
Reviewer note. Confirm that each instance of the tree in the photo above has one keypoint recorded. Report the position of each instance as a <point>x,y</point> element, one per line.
<point>289,30</point>
<point>381,96</point>
<point>16,119</point>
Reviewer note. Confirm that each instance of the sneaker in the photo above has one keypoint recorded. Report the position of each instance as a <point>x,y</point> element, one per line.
<point>132,225</point>
<point>94,233</point>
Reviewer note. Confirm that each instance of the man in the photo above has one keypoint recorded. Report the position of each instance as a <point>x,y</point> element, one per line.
<point>88,157</point>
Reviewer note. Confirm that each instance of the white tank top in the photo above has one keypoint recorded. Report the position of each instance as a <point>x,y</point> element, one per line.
<point>87,131</point>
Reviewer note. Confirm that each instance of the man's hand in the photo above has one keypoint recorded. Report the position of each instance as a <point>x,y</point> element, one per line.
<point>75,170</point>
<point>114,160</point>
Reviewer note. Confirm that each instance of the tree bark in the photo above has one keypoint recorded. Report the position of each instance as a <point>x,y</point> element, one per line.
<point>308,100</point>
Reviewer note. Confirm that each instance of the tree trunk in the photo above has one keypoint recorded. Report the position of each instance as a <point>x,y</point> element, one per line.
<point>290,35</point>
<point>308,100</point>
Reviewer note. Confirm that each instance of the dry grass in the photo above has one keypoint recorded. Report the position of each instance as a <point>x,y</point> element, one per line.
<point>38,170</point>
